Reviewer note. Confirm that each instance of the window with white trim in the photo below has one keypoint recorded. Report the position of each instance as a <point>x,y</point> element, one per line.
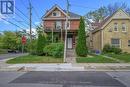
<point>115,42</point>
<point>115,27</point>
<point>123,27</point>
<point>56,14</point>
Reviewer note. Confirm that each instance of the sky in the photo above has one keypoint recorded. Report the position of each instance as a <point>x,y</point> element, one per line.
<point>80,7</point>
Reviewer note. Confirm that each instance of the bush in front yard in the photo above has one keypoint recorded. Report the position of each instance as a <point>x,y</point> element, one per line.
<point>41,42</point>
<point>107,48</point>
<point>54,49</point>
<point>117,50</point>
<point>111,49</point>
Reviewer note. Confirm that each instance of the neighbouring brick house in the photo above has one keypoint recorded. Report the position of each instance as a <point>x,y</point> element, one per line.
<point>114,30</point>
<point>54,22</point>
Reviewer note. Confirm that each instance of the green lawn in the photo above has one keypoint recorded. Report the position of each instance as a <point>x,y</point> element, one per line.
<point>94,59</point>
<point>123,57</point>
<point>35,59</point>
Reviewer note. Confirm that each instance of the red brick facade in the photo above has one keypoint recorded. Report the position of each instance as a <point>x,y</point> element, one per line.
<point>49,23</point>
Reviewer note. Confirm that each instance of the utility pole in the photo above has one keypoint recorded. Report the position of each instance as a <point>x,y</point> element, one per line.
<point>66,26</point>
<point>30,20</point>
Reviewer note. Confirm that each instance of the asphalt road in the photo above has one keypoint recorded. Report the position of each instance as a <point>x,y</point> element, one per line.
<point>11,55</point>
<point>65,79</point>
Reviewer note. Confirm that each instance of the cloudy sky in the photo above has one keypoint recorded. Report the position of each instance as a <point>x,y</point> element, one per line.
<point>40,6</point>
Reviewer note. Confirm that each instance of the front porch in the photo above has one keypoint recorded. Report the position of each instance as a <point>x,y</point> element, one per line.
<point>58,36</point>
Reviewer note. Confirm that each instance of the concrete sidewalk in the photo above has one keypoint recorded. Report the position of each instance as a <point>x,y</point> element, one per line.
<point>64,66</point>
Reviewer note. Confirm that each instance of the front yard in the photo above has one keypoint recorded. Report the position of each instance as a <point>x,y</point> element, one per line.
<point>94,59</point>
<point>122,57</point>
<point>35,59</point>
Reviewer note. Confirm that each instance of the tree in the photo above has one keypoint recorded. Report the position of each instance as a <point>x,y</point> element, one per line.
<point>9,40</point>
<point>98,14</point>
<point>101,13</point>
<point>41,42</point>
<point>114,7</point>
<point>81,48</point>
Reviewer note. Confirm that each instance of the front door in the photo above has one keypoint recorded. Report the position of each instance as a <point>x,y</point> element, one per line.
<point>69,43</point>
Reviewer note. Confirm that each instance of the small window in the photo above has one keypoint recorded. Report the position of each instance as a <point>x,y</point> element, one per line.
<point>129,43</point>
<point>115,42</point>
<point>123,27</point>
<point>115,27</point>
<point>56,14</point>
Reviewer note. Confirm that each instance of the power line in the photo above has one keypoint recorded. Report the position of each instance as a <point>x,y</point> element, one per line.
<point>34,11</point>
<point>18,22</point>
<point>12,23</point>
<point>21,12</point>
<point>22,18</point>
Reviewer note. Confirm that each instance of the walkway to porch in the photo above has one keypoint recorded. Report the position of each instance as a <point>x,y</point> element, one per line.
<point>71,56</point>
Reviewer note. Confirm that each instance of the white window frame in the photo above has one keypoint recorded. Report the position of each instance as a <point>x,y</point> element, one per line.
<point>116,25</point>
<point>123,25</point>
<point>116,45</point>
<point>58,14</point>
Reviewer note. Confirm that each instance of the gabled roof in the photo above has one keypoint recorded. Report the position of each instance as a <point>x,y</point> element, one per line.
<point>71,14</point>
<point>102,24</point>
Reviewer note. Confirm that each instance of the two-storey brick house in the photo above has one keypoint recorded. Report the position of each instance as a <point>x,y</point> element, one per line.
<point>114,30</point>
<point>54,21</point>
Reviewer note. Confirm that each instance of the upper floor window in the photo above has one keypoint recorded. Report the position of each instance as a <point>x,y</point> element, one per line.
<point>58,25</point>
<point>115,42</point>
<point>115,27</point>
<point>123,27</point>
<point>56,14</point>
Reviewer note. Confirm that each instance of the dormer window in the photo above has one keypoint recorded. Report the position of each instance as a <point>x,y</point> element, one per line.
<point>56,14</point>
<point>123,27</point>
<point>115,27</point>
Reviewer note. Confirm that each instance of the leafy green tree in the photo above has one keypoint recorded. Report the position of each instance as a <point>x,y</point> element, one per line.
<point>81,47</point>
<point>41,42</point>
<point>9,40</point>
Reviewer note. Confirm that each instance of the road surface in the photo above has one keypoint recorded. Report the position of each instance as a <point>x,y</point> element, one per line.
<point>65,79</point>
<point>11,55</point>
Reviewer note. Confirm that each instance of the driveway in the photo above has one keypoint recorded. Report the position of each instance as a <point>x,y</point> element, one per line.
<point>64,79</point>
<point>11,55</point>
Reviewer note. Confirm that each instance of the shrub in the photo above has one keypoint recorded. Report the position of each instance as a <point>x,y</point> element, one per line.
<point>54,49</point>
<point>32,47</point>
<point>107,48</point>
<point>117,50</point>
<point>41,42</point>
<point>81,47</point>
<point>111,49</point>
